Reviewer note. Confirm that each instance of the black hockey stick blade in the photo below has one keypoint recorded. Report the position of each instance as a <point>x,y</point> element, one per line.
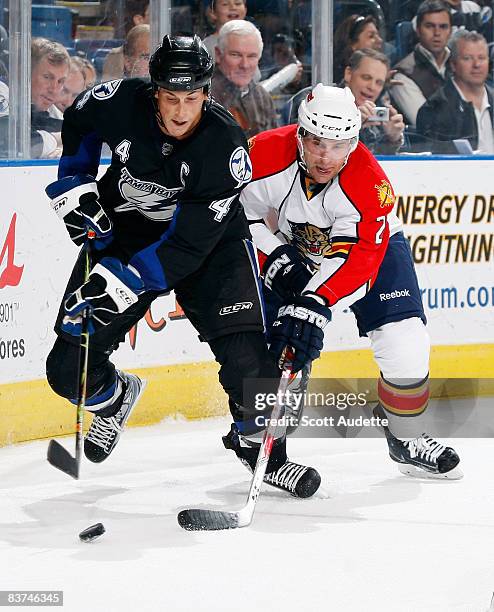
<point>195,519</point>
<point>60,458</point>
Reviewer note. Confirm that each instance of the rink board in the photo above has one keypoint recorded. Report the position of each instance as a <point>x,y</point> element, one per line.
<point>449,212</point>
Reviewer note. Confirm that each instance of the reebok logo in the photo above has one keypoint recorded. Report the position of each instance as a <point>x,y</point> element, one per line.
<point>394,294</point>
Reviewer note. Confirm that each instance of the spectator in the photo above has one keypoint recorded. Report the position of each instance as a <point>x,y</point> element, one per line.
<point>355,32</point>
<point>426,69</point>
<point>49,69</point>
<point>221,12</point>
<point>366,76</point>
<point>463,107</point>
<point>237,59</point>
<point>283,54</point>
<point>465,14</point>
<point>136,13</point>
<point>88,70</point>
<point>73,85</point>
<point>136,51</point>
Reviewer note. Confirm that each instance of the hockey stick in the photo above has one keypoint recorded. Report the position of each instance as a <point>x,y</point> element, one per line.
<point>195,519</point>
<point>57,455</point>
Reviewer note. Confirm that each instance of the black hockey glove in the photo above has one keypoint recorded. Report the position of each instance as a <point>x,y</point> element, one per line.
<point>285,272</point>
<point>110,290</point>
<point>75,200</point>
<point>300,324</point>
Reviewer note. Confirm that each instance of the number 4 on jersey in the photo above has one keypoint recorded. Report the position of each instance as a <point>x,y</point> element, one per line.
<point>221,207</point>
<point>122,150</point>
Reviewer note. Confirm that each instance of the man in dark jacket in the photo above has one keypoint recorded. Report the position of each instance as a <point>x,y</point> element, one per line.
<point>423,71</point>
<point>463,107</point>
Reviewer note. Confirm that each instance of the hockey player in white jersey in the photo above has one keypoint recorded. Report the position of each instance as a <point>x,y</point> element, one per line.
<point>320,201</point>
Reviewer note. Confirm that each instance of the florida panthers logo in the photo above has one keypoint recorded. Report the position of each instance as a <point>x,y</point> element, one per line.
<point>310,240</point>
<point>149,199</point>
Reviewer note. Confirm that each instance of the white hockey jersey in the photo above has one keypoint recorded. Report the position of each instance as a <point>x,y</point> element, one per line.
<point>343,226</point>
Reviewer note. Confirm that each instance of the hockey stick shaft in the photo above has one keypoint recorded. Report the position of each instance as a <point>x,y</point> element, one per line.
<point>83,362</point>
<point>268,441</point>
<point>212,520</point>
<point>57,455</point>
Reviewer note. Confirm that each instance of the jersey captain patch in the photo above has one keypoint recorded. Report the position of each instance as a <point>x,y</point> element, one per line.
<point>241,166</point>
<point>148,198</point>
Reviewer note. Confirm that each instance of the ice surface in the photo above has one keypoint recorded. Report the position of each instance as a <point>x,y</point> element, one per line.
<point>375,540</point>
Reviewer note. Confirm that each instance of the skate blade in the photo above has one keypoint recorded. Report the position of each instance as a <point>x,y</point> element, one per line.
<point>415,472</point>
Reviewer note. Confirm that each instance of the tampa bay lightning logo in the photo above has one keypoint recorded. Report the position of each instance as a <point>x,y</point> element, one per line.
<point>150,199</point>
<point>241,166</point>
<point>106,90</point>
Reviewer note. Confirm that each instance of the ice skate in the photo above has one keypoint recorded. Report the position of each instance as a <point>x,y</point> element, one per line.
<point>422,457</point>
<point>298,480</point>
<point>425,457</point>
<point>105,432</point>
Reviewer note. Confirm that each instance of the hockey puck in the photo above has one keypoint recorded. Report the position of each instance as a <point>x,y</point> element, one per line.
<point>91,533</point>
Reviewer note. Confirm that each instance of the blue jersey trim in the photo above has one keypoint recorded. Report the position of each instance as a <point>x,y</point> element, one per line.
<point>147,262</point>
<point>85,161</point>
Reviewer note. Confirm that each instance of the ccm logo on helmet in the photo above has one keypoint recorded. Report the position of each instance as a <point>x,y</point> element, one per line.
<point>181,79</point>
<point>299,312</point>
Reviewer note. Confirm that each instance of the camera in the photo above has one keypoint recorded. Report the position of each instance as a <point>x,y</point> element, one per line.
<point>381,113</point>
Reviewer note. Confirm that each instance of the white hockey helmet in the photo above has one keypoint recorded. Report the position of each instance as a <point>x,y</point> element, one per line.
<point>330,112</point>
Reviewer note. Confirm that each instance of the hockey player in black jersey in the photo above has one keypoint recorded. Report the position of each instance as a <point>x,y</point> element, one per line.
<point>167,216</point>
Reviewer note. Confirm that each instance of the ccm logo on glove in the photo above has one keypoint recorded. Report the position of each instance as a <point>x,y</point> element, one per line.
<point>125,297</point>
<point>299,312</point>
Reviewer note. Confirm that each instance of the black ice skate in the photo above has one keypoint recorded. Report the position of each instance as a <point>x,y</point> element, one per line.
<point>105,432</point>
<point>424,454</point>
<point>423,457</point>
<point>298,480</point>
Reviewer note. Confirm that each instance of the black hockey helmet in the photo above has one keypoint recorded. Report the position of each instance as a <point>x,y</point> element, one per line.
<point>181,63</point>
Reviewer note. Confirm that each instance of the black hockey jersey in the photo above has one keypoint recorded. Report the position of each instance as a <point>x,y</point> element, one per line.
<point>171,202</point>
